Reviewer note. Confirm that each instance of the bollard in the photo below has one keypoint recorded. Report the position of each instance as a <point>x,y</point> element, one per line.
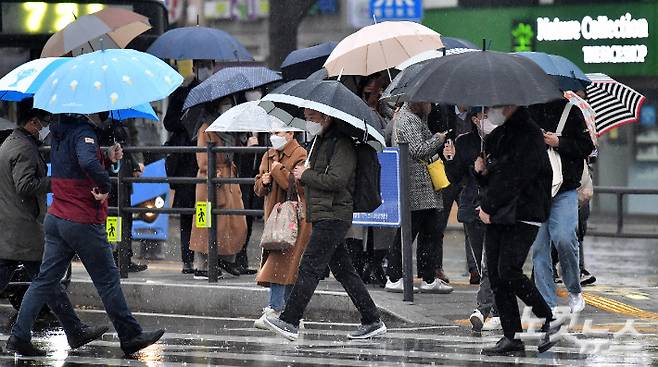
<point>213,264</point>
<point>123,201</point>
<point>405,226</point>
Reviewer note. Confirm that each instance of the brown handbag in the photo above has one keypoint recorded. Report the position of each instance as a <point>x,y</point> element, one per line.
<point>282,226</point>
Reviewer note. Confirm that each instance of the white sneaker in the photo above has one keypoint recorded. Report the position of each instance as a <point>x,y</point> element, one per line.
<point>576,302</point>
<point>396,287</point>
<point>477,320</point>
<point>267,312</point>
<point>437,286</point>
<point>492,323</point>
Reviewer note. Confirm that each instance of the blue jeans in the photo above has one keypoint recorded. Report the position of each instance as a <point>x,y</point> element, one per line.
<point>560,229</point>
<point>278,295</point>
<point>59,303</point>
<point>64,239</point>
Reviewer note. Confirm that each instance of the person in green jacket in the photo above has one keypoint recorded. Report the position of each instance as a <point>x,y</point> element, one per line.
<point>328,178</point>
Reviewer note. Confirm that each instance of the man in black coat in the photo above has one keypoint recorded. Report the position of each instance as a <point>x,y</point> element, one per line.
<point>515,178</point>
<point>571,140</point>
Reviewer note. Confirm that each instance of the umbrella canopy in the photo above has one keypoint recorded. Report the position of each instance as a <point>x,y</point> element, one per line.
<point>247,117</point>
<point>199,43</point>
<point>334,99</point>
<point>115,26</point>
<point>379,47</point>
<point>615,103</point>
<point>106,80</point>
<point>432,54</point>
<point>301,63</point>
<point>26,79</point>
<point>452,42</point>
<point>228,81</point>
<point>144,111</point>
<point>568,74</point>
<point>483,78</point>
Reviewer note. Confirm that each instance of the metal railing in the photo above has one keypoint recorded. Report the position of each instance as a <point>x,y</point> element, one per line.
<point>620,193</point>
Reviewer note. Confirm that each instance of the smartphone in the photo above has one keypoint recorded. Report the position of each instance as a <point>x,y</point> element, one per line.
<point>449,144</point>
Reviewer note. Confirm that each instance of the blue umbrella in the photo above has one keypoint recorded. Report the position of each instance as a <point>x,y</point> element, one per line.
<point>106,80</point>
<point>568,74</point>
<point>144,111</point>
<point>228,81</point>
<point>25,80</point>
<point>452,42</point>
<point>199,43</point>
<point>301,63</point>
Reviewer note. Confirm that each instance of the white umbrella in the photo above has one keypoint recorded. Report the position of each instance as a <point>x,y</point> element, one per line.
<point>248,117</point>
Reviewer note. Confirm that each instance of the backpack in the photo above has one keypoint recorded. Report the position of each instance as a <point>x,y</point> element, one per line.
<point>366,197</point>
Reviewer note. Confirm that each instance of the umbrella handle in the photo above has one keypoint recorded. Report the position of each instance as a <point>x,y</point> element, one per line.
<point>115,167</point>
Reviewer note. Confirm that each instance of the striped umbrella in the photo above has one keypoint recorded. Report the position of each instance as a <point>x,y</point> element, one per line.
<point>615,103</point>
<point>228,81</point>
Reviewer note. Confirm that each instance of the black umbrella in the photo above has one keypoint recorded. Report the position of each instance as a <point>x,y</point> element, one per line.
<point>482,78</point>
<point>301,63</point>
<point>331,98</point>
<point>400,83</point>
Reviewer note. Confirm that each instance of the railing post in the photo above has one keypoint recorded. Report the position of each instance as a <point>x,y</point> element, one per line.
<point>123,201</point>
<point>620,212</point>
<point>213,265</point>
<point>405,225</point>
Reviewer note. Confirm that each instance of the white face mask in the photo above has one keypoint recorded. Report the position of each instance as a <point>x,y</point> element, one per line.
<point>278,142</point>
<point>495,116</point>
<point>313,128</point>
<point>44,132</point>
<point>252,95</point>
<point>204,73</point>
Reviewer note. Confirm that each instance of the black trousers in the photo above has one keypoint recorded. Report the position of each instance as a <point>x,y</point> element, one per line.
<point>475,234</point>
<point>186,222</point>
<point>426,224</point>
<point>326,247</point>
<point>507,248</point>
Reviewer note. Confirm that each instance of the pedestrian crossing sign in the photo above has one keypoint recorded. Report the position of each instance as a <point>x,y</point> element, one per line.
<point>113,229</point>
<point>203,217</point>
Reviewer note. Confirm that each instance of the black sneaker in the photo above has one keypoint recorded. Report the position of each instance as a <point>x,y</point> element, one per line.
<point>24,348</point>
<point>549,329</point>
<point>231,268</point>
<point>136,268</point>
<point>187,268</point>
<point>285,329</point>
<point>505,346</point>
<point>201,274</point>
<point>586,278</point>
<point>368,331</point>
<point>86,335</point>
<point>246,271</point>
<point>141,341</point>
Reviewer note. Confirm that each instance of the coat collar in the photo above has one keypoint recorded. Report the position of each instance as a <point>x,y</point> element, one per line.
<point>288,149</point>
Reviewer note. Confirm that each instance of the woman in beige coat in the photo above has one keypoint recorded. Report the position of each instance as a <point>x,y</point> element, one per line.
<point>279,268</point>
<point>231,229</point>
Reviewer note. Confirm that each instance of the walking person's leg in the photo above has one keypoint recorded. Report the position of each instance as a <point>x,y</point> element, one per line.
<point>187,255</point>
<point>449,195</point>
<point>428,226</point>
<point>562,229</point>
<point>543,264</point>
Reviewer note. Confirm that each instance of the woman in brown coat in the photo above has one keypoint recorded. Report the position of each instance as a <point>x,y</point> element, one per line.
<point>231,229</point>
<point>279,268</point>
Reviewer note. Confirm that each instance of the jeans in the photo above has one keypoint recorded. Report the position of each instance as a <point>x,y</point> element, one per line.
<point>426,224</point>
<point>65,239</point>
<point>449,195</point>
<point>59,303</point>
<point>326,247</point>
<point>279,294</point>
<point>186,222</point>
<point>560,230</point>
<point>475,233</point>
<point>507,248</point>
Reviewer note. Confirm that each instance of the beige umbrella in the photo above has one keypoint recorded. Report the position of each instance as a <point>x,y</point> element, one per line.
<point>108,28</point>
<point>379,47</point>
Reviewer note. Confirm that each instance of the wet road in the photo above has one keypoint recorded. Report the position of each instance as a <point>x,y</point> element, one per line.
<point>198,341</point>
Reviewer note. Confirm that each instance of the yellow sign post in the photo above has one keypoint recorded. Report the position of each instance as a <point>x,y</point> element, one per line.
<point>113,229</point>
<point>203,216</point>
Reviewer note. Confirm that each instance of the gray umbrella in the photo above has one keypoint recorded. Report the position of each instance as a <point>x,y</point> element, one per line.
<point>228,81</point>
<point>482,78</point>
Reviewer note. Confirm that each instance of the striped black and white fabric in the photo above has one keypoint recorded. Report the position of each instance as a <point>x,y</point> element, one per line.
<point>614,103</point>
<point>228,81</point>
